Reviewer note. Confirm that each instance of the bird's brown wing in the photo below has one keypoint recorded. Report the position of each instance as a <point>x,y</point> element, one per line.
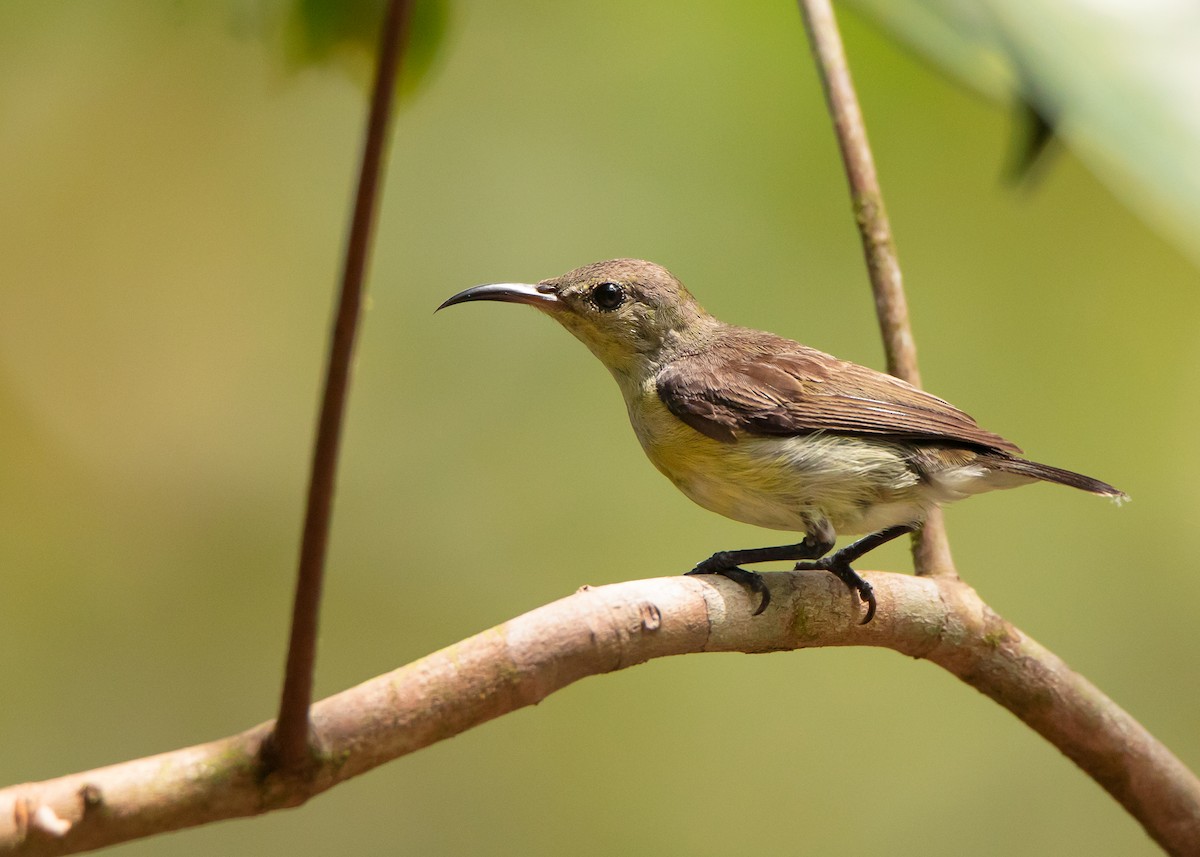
<point>750,383</point>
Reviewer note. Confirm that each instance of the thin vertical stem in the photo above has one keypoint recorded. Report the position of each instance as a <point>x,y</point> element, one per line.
<point>931,550</point>
<point>291,743</point>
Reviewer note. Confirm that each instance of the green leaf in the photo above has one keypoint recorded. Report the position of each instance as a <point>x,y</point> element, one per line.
<point>1119,81</point>
<point>344,35</point>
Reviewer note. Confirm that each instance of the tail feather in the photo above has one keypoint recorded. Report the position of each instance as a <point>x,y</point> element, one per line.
<point>1022,467</point>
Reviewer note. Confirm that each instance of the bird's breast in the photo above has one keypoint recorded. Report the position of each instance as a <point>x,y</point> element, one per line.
<point>782,483</point>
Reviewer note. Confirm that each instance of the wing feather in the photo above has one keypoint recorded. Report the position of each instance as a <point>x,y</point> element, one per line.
<point>750,383</point>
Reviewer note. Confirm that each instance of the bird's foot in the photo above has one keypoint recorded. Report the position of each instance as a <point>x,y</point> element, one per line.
<point>839,565</point>
<point>752,580</point>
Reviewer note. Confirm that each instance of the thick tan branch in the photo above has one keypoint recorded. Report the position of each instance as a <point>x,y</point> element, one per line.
<point>600,630</point>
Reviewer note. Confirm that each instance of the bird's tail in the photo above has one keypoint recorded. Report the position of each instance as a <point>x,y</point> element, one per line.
<point>1022,467</point>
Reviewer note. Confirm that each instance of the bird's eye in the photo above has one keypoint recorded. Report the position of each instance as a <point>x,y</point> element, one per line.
<point>607,296</point>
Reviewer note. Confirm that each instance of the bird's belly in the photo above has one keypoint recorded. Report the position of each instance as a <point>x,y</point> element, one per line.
<point>787,483</point>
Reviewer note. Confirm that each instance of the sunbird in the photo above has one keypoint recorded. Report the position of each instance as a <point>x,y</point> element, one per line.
<point>764,430</point>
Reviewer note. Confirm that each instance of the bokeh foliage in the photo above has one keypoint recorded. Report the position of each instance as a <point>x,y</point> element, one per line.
<point>320,32</point>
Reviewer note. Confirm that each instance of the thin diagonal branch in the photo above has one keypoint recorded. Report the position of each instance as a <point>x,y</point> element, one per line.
<point>931,549</point>
<point>290,745</point>
<point>891,306</point>
<point>602,630</point>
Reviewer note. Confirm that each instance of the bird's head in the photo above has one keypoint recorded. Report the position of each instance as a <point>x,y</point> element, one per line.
<point>632,314</point>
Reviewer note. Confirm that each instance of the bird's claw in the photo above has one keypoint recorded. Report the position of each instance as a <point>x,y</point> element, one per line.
<point>842,570</point>
<point>715,564</point>
<point>866,594</point>
<point>752,580</point>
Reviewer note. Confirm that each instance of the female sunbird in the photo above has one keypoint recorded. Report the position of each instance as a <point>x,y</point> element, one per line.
<point>770,432</point>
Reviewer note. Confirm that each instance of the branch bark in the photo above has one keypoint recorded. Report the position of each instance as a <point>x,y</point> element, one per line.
<point>597,631</point>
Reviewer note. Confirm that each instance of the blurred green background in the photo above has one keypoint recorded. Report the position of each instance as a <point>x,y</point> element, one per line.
<point>173,193</point>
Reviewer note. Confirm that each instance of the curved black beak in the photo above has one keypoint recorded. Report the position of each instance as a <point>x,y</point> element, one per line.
<point>517,293</point>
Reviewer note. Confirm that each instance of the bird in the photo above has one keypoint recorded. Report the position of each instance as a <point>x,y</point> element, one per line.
<point>770,432</point>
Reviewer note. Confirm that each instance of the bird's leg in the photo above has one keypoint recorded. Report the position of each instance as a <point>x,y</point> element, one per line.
<point>725,563</point>
<point>839,563</point>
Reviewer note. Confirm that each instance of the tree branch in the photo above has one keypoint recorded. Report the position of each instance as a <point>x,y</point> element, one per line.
<point>597,631</point>
<point>931,548</point>
<point>289,743</point>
